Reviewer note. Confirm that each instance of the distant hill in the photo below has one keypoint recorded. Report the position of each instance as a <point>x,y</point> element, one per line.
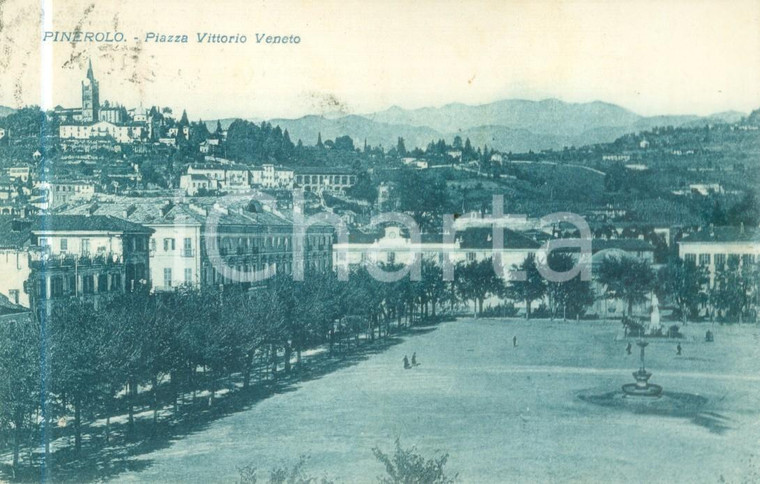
<point>5,111</point>
<point>509,125</point>
<point>550,116</point>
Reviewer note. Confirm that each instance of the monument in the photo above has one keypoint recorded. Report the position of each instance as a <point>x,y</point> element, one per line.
<point>654,320</point>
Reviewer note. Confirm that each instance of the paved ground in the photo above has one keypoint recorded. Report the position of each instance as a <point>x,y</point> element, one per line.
<point>528,414</point>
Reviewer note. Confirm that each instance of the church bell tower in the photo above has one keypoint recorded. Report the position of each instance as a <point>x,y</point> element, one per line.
<point>90,97</point>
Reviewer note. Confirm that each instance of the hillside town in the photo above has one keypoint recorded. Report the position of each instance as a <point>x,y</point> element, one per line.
<point>168,232</point>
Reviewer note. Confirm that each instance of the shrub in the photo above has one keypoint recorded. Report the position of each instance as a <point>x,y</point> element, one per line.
<point>406,466</point>
<point>674,332</point>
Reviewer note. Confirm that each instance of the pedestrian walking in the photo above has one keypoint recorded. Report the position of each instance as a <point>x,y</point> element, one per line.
<point>514,341</point>
<point>628,348</point>
<point>678,349</point>
<point>406,363</point>
<point>414,359</point>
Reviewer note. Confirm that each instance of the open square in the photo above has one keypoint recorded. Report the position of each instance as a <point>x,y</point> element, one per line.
<point>503,413</point>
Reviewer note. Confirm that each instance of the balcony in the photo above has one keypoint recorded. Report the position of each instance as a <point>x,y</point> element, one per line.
<point>46,261</point>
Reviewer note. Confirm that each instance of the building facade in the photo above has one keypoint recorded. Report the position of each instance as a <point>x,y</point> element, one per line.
<point>54,257</point>
<point>720,248</point>
<point>199,243</point>
<point>394,246</point>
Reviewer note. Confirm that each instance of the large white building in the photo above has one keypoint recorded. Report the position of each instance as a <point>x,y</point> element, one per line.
<point>60,192</point>
<point>324,178</point>
<point>270,176</point>
<point>232,177</point>
<point>121,133</point>
<point>717,248</point>
<point>394,246</point>
<point>227,177</point>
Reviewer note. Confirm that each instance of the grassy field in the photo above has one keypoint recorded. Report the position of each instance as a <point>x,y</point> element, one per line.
<point>504,414</point>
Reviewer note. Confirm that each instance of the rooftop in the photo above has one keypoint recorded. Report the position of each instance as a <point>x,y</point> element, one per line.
<point>628,245</point>
<point>322,170</point>
<point>482,238</point>
<point>724,234</point>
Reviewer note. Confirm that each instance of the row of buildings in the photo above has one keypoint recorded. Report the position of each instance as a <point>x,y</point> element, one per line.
<point>110,246</point>
<point>95,250</point>
<point>230,177</point>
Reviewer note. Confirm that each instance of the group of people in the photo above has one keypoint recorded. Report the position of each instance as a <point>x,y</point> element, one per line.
<point>414,363</point>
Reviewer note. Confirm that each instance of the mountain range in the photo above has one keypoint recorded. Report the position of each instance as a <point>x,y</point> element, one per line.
<point>509,125</point>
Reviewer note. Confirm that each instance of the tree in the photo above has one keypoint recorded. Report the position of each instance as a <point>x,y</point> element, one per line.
<point>364,188</point>
<point>735,290</point>
<point>476,281</point>
<point>573,296</point>
<point>344,143</point>
<point>433,285</point>
<point>425,197</point>
<point>682,282</point>
<point>19,378</point>
<point>530,289</point>
<point>400,147</point>
<point>627,278</point>
<point>73,358</point>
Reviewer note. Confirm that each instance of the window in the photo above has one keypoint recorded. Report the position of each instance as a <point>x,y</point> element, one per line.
<point>391,257</point>
<point>168,277</point>
<point>168,245</point>
<point>720,261</point>
<point>43,242</point>
<point>13,295</point>
<point>690,258</point>
<point>56,286</point>
<point>470,256</point>
<point>187,247</point>
<point>85,246</point>
<point>733,261</point>
<point>748,259</point>
<point>64,245</point>
<point>188,276</point>
<point>152,245</point>
<point>704,259</point>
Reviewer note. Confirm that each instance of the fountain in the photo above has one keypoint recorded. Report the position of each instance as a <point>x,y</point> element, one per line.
<point>642,387</point>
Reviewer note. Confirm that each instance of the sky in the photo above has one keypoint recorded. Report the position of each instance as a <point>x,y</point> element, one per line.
<point>652,57</point>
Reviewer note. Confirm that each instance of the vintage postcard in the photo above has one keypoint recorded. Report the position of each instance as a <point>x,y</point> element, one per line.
<point>379,241</point>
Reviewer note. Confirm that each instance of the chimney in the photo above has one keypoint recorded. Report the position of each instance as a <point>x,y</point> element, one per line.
<point>129,211</point>
<point>166,207</point>
<point>712,230</point>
